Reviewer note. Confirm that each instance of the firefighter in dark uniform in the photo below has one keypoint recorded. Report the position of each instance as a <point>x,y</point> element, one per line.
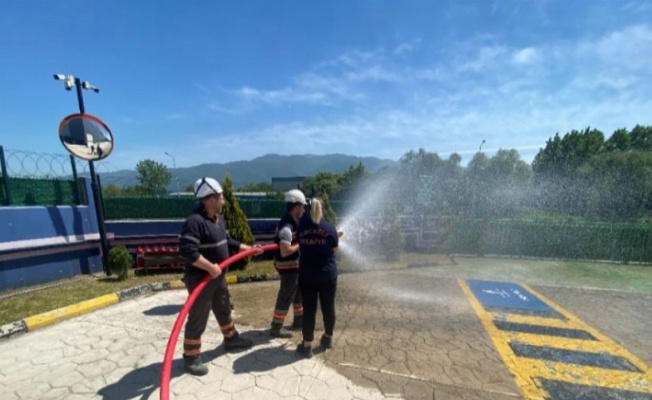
<point>204,243</point>
<point>318,242</point>
<point>286,262</point>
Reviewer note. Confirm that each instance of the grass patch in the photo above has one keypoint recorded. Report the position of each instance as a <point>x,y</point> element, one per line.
<point>21,303</point>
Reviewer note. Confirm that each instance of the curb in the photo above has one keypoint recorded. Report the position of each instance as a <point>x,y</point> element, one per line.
<point>35,322</point>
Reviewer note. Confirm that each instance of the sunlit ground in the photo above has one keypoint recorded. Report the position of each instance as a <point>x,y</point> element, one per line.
<point>575,274</point>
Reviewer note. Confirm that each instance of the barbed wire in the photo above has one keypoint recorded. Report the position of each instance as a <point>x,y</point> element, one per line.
<point>101,167</point>
<point>31,164</point>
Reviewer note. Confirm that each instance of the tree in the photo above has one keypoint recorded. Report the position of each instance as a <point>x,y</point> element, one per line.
<point>510,180</point>
<point>419,180</point>
<point>257,187</point>
<point>350,180</point>
<point>619,184</point>
<point>559,185</point>
<point>236,220</point>
<point>329,213</point>
<point>563,156</point>
<point>620,140</point>
<point>641,138</point>
<point>111,190</point>
<point>153,176</point>
<point>322,182</point>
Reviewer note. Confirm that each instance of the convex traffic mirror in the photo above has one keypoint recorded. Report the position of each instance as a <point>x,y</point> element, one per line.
<point>86,136</point>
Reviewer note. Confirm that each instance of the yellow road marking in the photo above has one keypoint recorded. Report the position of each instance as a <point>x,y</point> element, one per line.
<point>527,372</point>
<point>617,349</point>
<point>585,375</point>
<point>534,320</point>
<point>524,382</point>
<point>177,284</point>
<point>64,313</point>
<point>592,346</point>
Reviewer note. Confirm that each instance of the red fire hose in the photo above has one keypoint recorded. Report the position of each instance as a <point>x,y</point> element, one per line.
<point>174,335</point>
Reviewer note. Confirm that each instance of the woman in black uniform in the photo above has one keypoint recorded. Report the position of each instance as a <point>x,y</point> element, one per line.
<point>318,241</point>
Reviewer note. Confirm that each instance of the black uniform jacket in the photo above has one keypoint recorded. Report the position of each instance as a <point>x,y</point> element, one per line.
<point>206,236</point>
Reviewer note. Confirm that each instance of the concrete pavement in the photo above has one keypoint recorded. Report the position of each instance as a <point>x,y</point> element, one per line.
<point>401,334</point>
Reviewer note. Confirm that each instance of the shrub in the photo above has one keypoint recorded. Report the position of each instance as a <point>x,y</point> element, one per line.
<point>329,213</point>
<point>120,261</point>
<point>236,221</point>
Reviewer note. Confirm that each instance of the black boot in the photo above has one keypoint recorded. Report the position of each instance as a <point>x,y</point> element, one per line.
<point>326,341</point>
<point>304,351</point>
<point>237,342</point>
<point>297,324</point>
<point>278,331</point>
<point>194,366</point>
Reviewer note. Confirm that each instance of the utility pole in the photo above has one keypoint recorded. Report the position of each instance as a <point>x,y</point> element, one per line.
<point>69,82</point>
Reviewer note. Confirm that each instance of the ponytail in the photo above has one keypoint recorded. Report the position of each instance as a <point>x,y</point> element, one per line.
<point>316,213</point>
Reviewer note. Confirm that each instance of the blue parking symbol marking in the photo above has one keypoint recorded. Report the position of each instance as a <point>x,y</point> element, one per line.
<point>503,295</point>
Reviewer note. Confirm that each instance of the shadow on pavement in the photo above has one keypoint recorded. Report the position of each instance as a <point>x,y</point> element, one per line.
<point>142,382</point>
<point>165,310</point>
<point>261,360</point>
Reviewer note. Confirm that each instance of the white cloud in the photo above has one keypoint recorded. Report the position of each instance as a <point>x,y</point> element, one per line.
<point>407,47</point>
<point>449,104</point>
<point>528,55</point>
<point>285,95</point>
<point>629,48</point>
<point>485,57</point>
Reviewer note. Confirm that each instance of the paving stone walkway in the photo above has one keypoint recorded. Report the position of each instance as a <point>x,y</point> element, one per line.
<point>398,335</point>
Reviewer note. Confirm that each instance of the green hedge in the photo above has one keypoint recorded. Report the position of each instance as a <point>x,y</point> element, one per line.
<point>590,241</point>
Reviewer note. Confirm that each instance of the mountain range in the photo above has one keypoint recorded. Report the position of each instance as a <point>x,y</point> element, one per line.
<point>260,169</point>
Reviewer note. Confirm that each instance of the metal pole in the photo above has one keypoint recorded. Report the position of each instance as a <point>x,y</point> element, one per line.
<point>80,97</point>
<point>104,243</point>
<point>5,177</point>
<point>75,186</point>
<point>100,219</point>
<point>176,178</point>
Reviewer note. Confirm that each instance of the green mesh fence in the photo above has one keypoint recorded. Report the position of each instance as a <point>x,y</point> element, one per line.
<point>43,192</point>
<point>588,241</point>
<point>179,207</point>
<point>147,207</point>
<point>3,195</point>
<point>545,239</point>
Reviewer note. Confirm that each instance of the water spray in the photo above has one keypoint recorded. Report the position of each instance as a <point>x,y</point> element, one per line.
<point>174,335</point>
<point>361,221</point>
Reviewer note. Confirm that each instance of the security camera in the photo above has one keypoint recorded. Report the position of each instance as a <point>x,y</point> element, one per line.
<point>86,85</point>
<point>59,77</point>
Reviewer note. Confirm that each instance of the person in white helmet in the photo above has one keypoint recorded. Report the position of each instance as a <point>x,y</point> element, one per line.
<point>204,243</point>
<point>286,262</point>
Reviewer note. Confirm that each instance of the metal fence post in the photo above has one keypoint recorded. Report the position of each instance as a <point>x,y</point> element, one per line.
<point>5,177</point>
<point>100,192</point>
<point>75,186</point>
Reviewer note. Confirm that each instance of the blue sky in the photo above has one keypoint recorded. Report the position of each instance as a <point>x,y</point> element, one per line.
<point>217,81</point>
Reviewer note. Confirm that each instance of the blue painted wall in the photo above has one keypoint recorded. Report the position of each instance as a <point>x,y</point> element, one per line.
<point>24,266</point>
<point>25,223</point>
<point>21,266</point>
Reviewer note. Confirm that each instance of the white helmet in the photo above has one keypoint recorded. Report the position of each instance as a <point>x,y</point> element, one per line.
<point>295,196</point>
<point>205,187</point>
